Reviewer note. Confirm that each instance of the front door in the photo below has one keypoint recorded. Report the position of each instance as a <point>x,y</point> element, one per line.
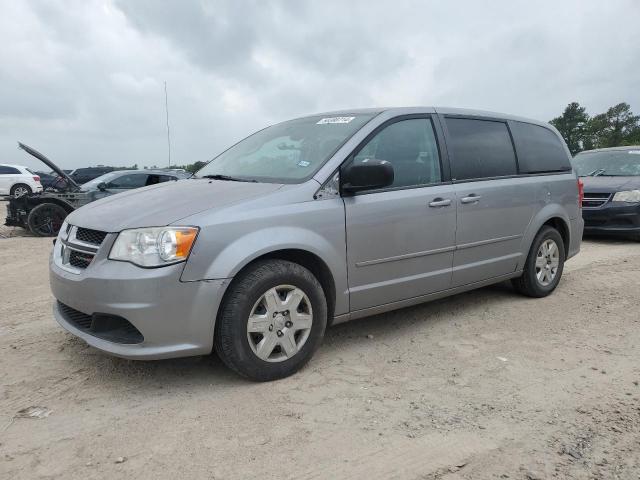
<point>400,240</point>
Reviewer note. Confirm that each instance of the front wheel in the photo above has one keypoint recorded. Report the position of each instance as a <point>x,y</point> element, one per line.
<point>544,265</point>
<point>46,219</point>
<point>271,321</point>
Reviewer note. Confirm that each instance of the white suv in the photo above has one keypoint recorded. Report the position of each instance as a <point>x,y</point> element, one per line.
<point>16,180</point>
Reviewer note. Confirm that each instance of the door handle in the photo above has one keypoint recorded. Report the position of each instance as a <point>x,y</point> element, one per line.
<point>440,202</point>
<point>473,198</point>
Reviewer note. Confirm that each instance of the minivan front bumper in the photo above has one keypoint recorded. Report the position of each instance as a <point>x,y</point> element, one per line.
<point>175,318</point>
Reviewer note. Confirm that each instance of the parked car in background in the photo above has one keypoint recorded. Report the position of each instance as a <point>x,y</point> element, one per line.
<point>84,175</point>
<point>51,181</point>
<point>611,179</point>
<point>44,213</point>
<point>315,221</point>
<point>123,180</point>
<point>16,180</point>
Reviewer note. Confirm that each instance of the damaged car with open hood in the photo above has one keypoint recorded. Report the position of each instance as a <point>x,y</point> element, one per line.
<point>44,212</point>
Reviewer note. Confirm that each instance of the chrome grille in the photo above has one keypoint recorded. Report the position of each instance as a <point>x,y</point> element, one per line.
<point>94,237</point>
<point>595,200</point>
<point>79,259</point>
<point>77,248</point>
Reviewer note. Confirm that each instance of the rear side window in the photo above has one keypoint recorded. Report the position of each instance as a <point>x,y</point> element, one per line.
<point>480,149</point>
<point>539,149</point>
<point>9,171</point>
<point>134,180</point>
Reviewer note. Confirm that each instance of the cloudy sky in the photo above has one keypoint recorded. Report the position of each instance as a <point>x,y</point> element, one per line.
<point>83,81</point>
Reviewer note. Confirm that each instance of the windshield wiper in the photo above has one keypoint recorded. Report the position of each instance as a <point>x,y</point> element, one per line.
<point>596,172</point>
<point>228,178</point>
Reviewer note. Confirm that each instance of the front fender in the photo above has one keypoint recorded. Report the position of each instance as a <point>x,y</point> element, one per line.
<point>317,228</point>
<point>235,256</point>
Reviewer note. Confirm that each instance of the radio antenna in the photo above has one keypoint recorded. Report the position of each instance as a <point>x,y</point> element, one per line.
<point>166,108</point>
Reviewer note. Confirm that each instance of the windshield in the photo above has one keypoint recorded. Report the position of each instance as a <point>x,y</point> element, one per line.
<point>290,152</point>
<point>93,184</point>
<point>612,163</point>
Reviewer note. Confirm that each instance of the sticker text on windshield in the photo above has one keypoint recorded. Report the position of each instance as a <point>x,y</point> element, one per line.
<point>325,121</point>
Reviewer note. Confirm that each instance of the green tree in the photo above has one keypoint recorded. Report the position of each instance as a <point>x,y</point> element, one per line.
<point>572,125</point>
<point>618,126</point>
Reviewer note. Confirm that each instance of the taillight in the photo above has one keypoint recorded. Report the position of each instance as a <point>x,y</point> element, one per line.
<point>580,192</point>
<point>36,178</point>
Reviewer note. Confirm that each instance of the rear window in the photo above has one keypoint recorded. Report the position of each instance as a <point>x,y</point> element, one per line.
<point>539,149</point>
<point>480,149</point>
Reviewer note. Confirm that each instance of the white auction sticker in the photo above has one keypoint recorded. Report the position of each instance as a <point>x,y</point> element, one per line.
<point>325,121</point>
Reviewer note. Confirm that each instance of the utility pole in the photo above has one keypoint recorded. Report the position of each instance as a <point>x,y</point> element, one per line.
<point>166,108</point>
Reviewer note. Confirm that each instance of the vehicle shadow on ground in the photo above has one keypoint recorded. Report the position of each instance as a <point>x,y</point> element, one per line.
<point>609,239</point>
<point>206,372</point>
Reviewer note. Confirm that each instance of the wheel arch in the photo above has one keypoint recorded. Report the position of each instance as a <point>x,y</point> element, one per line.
<point>56,201</point>
<point>17,184</point>
<point>563,228</point>
<point>550,215</point>
<point>311,261</point>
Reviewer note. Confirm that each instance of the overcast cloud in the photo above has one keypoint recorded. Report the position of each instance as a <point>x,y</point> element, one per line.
<point>83,81</point>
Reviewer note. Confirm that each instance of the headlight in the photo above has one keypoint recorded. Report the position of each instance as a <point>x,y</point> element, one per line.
<point>154,247</point>
<point>630,196</point>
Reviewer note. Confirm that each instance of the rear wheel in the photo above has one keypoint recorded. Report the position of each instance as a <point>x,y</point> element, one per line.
<point>46,219</point>
<point>20,189</point>
<point>544,265</point>
<point>272,320</point>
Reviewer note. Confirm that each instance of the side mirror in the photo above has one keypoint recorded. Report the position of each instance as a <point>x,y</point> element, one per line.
<point>102,186</point>
<point>366,174</point>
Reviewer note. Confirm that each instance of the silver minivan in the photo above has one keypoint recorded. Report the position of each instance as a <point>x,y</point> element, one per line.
<point>317,221</point>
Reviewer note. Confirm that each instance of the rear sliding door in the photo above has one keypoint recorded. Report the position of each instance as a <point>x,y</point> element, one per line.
<point>494,204</point>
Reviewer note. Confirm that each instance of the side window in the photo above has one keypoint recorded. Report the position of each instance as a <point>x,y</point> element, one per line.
<point>9,171</point>
<point>480,149</point>
<point>135,180</point>
<point>411,147</point>
<point>153,179</point>
<point>539,149</point>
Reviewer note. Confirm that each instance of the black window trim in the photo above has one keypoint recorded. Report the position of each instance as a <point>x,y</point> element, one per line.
<point>440,144</point>
<point>538,172</point>
<point>447,137</point>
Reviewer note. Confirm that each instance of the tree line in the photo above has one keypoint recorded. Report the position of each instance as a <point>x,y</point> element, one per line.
<point>616,127</point>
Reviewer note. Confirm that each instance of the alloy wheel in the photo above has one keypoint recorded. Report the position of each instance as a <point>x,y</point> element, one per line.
<point>20,191</point>
<point>547,262</point>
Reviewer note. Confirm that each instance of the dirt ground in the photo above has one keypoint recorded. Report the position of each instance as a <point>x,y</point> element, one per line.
<point>485,384</point>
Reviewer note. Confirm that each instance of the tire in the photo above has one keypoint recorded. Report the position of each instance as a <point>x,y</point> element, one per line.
<point>20,189</point>
<point>530,283</point>
<point>46,219</point>
<point>247,296</point>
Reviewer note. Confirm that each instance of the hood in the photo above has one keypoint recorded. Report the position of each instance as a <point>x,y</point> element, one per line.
<point>34,153</point>
<point>164,203</point>
<point>602,184</point>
